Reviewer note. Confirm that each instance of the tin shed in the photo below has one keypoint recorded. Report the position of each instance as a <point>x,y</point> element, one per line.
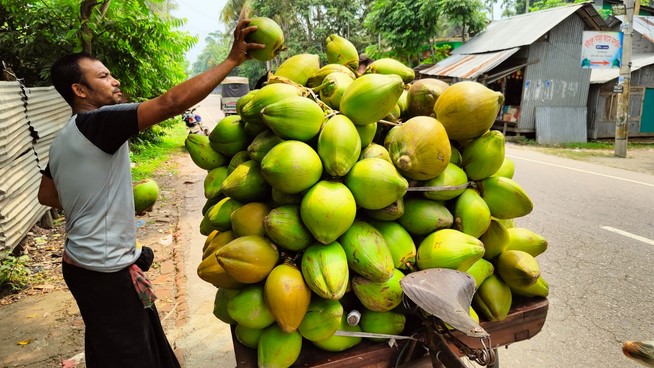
<point>534,59</point>
<point>603,100</point>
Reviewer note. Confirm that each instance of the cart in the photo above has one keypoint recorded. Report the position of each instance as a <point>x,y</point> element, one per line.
<point>525,319</point>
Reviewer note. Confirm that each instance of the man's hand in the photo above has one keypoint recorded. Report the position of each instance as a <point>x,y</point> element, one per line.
<point>239,52</point>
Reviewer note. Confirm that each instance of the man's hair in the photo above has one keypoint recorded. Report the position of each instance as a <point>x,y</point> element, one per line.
<point>65,72</point>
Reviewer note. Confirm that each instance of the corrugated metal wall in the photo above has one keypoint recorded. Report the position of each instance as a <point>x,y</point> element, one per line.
<point>553,127</point>
<point>555,78</point>
<point>29,120</point>
<point>603,107</point>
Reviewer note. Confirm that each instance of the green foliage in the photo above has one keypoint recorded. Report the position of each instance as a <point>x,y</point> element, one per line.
<point>148,156</point>
<point>403,26</point>
<point>440,53</point>
<point>547,4</point>
<point>14,271</point>
<point>466,15</point>
<point>142,48</point>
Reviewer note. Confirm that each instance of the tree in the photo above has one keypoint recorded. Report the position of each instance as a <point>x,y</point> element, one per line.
<point>403,28</point>
<point>547,4</point>
<point>305,23</point>
<point>466,15</point>
<point>141,47</point>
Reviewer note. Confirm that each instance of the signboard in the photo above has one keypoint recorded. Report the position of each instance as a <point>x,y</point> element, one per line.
<point>601,50</point>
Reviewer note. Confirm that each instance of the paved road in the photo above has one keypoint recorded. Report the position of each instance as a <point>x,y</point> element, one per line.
<point>204,341</point>
<point>598,222</point>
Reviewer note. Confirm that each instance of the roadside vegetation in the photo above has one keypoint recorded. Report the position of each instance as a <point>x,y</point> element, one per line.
<point>585,150</point>
<point>149,154</point>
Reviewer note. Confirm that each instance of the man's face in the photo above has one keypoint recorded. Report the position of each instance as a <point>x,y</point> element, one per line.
<point>97,86</point>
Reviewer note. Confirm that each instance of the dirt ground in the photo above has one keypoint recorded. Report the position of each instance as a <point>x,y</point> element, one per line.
<point>40,326</point>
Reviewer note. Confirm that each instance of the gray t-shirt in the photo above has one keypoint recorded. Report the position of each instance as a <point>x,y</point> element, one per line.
<point>90,166</point>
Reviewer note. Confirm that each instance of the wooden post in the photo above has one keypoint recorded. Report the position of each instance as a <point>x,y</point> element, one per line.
<point>622,123</point>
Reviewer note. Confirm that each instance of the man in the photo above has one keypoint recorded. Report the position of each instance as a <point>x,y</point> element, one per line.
<point>89,177</point>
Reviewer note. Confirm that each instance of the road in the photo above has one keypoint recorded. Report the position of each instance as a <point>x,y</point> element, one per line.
<point>598,222</point>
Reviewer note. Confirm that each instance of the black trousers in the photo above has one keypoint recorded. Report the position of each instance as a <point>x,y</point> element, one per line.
<point>119,331</point>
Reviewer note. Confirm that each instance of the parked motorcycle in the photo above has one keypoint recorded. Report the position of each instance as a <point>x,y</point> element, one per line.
<point>193,122</point>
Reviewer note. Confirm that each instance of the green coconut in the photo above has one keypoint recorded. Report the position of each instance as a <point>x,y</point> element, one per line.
<point>375,183</point>
<point>379,296</point>
<point>146,193</point>
<point>391,212</point>
<point>239,158</point>
<point>367,252</point>
<point>468,109</point>
<point>228,136</point>
<point>321,320</point>
<point>299,67</point>
<point>423,216</point>
<point>277,348</point>
<point>248,219</point>
<point>390,323</point>
<point>339,145</point>
<point>332,88</point>
<point>292,167</point>
<point>367,133</point>
<point>399,242</point>
<point>452,182</point>
<point>336,343</point>
<point>268,33</point>
<point>262,144</point>
<point>375,150</point>
<point>213,182</point>
<point>422,95</point>
<point>283,225</point>
<point>328,209</point>
<point>246,183</point>
<point>248,336</point>
<point>449,248</point>
<point>249,309</point>
<point>222,298</point>
<point>325,269</point>
<point>419,148</point>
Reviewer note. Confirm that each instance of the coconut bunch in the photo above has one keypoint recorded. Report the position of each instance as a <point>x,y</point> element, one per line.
<point>328,187</point>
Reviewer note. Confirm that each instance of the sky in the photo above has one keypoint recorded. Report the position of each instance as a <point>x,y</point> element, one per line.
<point>202,19</point>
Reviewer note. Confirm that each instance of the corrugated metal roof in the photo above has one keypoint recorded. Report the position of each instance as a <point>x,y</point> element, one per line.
<point>468,66</point>
<point>643,25</point>
<point>525,29</point>
<point>599,76</point>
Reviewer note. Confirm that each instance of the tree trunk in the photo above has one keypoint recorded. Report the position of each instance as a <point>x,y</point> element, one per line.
<point>86,9</point>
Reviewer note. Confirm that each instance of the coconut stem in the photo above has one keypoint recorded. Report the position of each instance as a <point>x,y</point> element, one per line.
<point>442,188</point>
<point>388,122</point>
<point>322,86</point>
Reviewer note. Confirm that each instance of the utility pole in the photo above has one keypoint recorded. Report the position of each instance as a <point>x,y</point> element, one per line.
<point>622,123</point>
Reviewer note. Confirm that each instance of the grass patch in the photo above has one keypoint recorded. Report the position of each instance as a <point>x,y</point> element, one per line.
<point>590,145</point>
<point>149,156</point>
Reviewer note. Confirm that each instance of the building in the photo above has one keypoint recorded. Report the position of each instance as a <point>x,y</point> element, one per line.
<point>534,59</point>
<point>603,99</point>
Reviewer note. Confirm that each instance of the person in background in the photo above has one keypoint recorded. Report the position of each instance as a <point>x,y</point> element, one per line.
<point>364,61</point>
<point>88,176</point>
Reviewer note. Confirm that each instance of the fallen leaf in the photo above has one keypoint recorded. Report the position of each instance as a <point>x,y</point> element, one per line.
<point>24,342</point>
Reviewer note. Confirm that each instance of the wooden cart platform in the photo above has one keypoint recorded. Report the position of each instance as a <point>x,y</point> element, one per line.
<point>524,321</point>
